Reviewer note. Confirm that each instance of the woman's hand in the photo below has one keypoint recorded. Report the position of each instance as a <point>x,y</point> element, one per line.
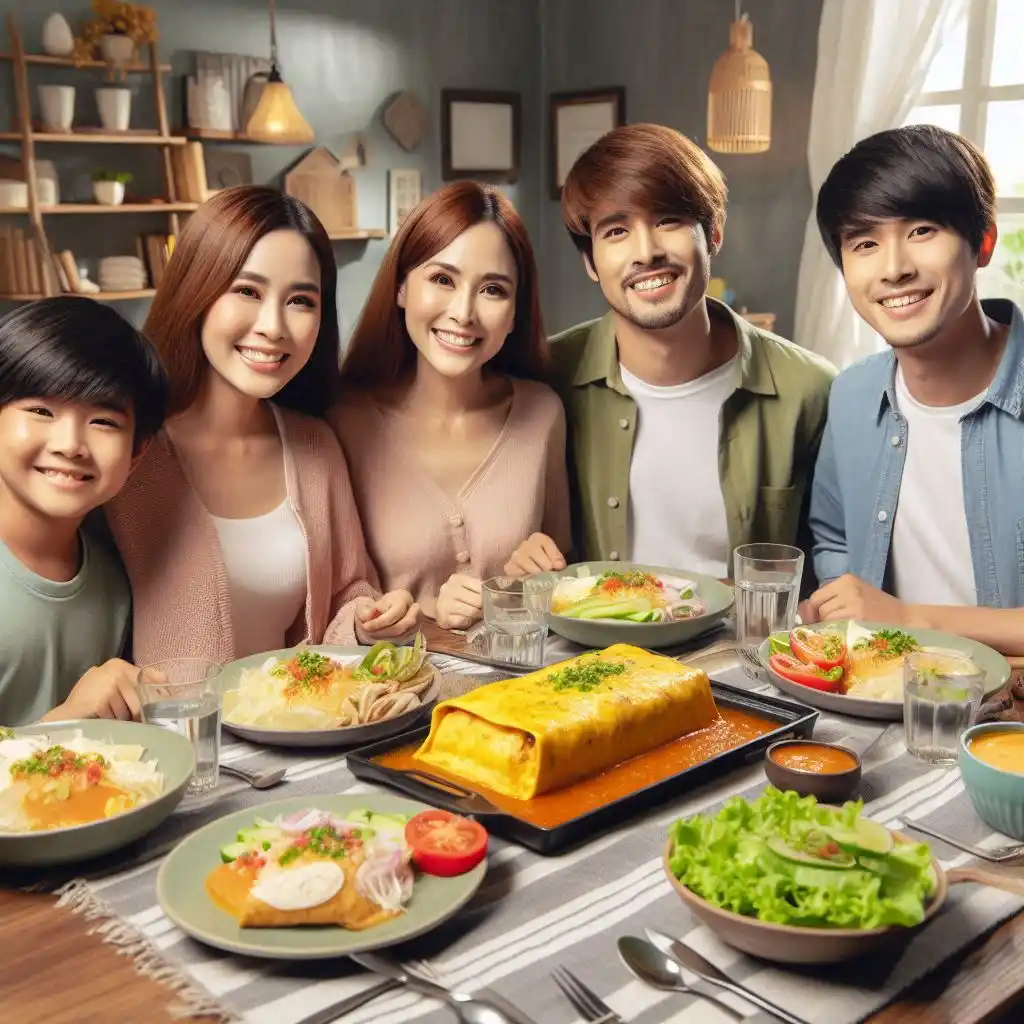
<point>394,615</point>
<point>460,602</point>
<point>538,553</point>
<point>105,691</point>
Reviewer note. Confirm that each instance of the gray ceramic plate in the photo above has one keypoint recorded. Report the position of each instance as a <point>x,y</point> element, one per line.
<point>600,633</point>
<point>174,757</point>
<point>994,664</point>
<point>181,893</point>
<point>344,737</point>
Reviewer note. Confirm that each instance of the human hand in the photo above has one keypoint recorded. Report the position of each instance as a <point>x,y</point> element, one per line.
<point>394,615</point>
<point>538,553</point>
<point>105,691</point>
<point>851,598</point>
<point>460,602</point>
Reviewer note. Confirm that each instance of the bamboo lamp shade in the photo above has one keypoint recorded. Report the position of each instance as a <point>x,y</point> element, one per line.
<point>740,96</point>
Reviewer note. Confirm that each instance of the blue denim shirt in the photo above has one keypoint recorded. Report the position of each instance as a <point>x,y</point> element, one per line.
<point>860,467</point>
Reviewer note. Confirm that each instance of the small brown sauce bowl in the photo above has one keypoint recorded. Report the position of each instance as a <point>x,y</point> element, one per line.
<point>825,776</point>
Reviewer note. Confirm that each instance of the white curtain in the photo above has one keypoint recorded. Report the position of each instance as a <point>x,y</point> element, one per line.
<point>873,58</point>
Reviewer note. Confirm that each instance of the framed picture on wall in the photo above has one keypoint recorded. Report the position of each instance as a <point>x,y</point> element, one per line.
<point>480,134</point>
<point>578,119</point>
<point>405,189</point>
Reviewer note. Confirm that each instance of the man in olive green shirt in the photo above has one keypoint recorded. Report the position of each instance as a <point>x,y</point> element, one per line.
<point>690,430</point>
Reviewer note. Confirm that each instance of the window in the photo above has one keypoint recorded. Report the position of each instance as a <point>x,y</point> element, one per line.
<point>976,87</point>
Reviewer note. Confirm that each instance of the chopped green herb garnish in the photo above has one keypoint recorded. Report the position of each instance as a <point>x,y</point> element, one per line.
<point>889,643</point>
<point>55,760</point>
<point>585,676</point>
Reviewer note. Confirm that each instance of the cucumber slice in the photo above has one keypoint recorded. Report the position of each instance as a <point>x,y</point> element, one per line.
<point>263,823</point>
<point>259,838</point>
<point>867,837</point>
<point>782,849</point>
<point>232,851</point>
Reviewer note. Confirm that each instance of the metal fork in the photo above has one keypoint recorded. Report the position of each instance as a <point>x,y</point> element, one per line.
<point>994,856</point>
<point>585,1002</point>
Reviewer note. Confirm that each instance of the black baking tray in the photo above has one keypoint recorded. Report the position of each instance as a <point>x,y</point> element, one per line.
<point>794,720</point>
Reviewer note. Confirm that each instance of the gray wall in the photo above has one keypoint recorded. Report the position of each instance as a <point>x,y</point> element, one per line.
<point>344,58</point>
<point>662,51</point>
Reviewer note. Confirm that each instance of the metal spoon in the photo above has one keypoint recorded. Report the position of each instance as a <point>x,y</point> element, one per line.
<point>258,780</point>
<point>652,966</point>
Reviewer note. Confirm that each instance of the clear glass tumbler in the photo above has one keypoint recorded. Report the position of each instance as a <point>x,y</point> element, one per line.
<point>942,692</point>
<point>184,695</point>
<point>516,617</point>
<point>767,583</point>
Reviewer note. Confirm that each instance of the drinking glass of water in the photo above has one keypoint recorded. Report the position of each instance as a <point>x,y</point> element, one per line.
<point>516,618</point>
<point>767,579</point>
<point>942,691</point>
<point>183,695</point>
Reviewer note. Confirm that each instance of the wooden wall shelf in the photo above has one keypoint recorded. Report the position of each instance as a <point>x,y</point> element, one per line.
<point>99,208</point>
<point>358,235</point>
<point>88,138</point>
<point>67,62</point>
<point>145,293</point>
<point>225,135</point>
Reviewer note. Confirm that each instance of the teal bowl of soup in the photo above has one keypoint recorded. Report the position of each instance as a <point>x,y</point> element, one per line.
<point>991,759</point>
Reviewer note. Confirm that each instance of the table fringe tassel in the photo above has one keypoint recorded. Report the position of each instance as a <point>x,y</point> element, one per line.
<point>192,999</point>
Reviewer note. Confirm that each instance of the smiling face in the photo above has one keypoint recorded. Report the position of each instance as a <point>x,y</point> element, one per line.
<point>909,280</point>
<point>63,459</point>
<point>261,332</point>
<point>653,270</point>
<point>460,305</point>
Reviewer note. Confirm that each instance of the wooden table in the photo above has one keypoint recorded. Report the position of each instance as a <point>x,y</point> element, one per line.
<point>53,972</point>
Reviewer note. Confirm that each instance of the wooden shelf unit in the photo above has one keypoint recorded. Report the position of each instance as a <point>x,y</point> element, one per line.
<point>145,293</point>
<point>357,235</point>
<point>226,135</point>
<point>161,137</point>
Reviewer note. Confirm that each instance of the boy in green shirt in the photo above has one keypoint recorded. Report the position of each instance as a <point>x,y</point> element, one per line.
<point>81,394</point>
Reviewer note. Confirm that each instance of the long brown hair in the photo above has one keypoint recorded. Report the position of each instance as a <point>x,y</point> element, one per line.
<point>209,254</point>
<point>381,353</point>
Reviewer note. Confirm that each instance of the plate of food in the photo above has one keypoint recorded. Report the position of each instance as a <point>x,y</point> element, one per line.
<point>597,604</point>
<point>856,668</point>
<point>550,758</point>
<point>328,696</point>
<point>318,877</point>
<point>790,880</point>
<point>78,789</point>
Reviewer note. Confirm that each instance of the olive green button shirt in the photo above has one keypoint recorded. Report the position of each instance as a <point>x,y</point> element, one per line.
<point>770,430</point>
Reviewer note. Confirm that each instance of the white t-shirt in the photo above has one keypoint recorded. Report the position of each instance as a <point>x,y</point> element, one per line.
<point>676,509</point>
<point>265,561</point>
<point>931,551</point>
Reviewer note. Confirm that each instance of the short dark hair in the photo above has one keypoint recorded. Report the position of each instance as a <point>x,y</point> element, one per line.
<point>920,172</point>
<point>643,167</point>
<point>75,349</point>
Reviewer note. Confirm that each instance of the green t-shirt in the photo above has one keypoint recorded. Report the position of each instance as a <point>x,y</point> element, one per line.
<point>51,633</point>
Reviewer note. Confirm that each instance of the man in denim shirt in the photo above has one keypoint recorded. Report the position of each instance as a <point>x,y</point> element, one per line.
<point>917,506</point>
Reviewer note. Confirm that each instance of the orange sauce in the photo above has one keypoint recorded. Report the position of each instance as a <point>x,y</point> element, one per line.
<point>82,807</point>
<point>811,757</point>
<point>732,729</point>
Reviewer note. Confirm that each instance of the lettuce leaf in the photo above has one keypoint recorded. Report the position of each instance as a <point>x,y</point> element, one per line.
<point>725,859</point>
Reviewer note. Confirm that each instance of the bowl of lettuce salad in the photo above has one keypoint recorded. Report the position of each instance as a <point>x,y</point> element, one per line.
<point>790,880</point>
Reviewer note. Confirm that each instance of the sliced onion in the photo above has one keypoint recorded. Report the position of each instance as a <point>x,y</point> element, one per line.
<point>386,880</point>
<point>302,821</point>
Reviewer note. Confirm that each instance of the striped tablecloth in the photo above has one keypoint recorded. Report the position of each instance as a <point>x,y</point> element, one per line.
<point>534,912</point>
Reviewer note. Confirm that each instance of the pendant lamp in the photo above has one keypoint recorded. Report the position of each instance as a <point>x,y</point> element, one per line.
<point>740,95</point>
<point>276,117</point>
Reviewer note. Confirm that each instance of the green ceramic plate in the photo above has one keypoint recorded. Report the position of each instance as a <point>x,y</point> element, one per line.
<point>995,665</point>
<point>348,736</point>
<point>180,890</point>
<point>174,757</point>
<point>598,633</point>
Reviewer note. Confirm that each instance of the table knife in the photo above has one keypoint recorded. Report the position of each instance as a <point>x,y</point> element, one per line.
<point>335,1010</point>
<point>708,972</point>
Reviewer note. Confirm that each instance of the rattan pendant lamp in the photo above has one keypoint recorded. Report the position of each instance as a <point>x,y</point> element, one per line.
<point>276,117</point>
<point>740,95</point>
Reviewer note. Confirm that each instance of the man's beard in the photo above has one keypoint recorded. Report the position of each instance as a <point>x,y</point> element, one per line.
<point>661,317</point>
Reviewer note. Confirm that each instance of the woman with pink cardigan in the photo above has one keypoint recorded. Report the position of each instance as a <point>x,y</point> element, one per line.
<point>238,528</point>
<point>457,451</point>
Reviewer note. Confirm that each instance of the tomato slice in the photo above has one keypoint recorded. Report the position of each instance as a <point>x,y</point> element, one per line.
<point>444,843</point>
<point>827,650</point>
<point>807,675</point>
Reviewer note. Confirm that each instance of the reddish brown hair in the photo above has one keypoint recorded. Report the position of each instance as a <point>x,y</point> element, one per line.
<point>209,254</point>
<point>643,167</point>
<point>381,353</point>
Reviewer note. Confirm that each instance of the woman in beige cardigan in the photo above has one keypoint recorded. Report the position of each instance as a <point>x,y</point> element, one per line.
<point>457,451</point>
<point>238,528</point>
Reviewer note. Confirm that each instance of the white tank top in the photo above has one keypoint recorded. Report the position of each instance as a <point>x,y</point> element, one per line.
<point>265,561</point>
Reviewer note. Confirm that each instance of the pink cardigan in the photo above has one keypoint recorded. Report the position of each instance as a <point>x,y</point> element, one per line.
<point>171,551</point>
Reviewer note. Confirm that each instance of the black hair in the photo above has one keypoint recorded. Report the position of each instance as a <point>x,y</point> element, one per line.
<point>920,172</point>
<point>74,349</point>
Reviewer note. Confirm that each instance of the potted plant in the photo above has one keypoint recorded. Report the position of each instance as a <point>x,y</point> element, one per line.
<point>115,33</point>
<point>108,186</point>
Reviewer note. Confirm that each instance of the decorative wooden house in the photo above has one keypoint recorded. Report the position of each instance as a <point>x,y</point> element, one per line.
<point>329,191</point>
